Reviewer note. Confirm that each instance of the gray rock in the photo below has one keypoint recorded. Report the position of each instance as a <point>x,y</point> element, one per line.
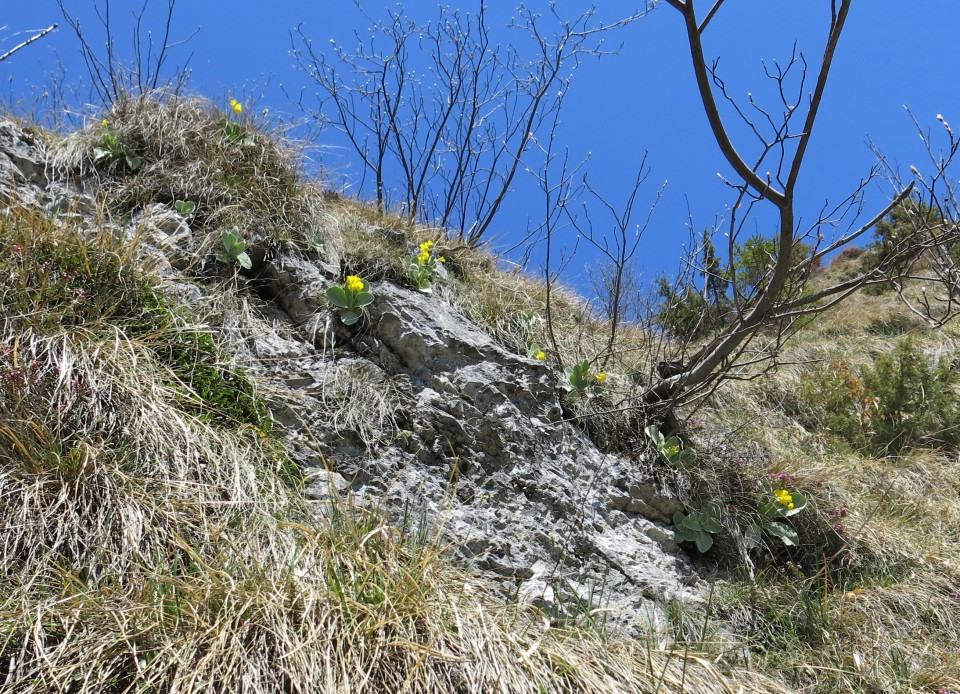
<point>162,232</point>
<point>21,159</point>
<point>482,454</point>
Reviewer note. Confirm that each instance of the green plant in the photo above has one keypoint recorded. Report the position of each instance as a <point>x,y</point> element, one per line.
<point>754,260</point>
<point>579,381</point>
<point>699,526</point>
<point>685,313</point>
<point>315,239</point>
<point>579,606</point>
<point>670,449</point>
<point>422,270</point>
<point>914,401</point>
<point>833,399</point>
<point>783,504</point>
<point>904,400</point>
<point>530,320</point>
<point>351,298</point>
<point>111,148</point>
<point>536,352</point>
<point>235,132</point>
<point>234,250</point>
<point>185,208</point>
<point>688,311</point>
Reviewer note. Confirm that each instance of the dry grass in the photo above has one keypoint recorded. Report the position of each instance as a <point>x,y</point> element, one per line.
<point>880,612</point>
<point>870,607</point>
<point>250,179</point>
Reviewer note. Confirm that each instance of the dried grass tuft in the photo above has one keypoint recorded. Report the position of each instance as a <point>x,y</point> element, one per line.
<point>251,180</point>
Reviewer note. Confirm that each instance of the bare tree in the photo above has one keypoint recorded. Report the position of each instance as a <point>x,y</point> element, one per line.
<point>112,73</point>
<point>444,110</point>
<point>763,315</point>
<point>617,248</point>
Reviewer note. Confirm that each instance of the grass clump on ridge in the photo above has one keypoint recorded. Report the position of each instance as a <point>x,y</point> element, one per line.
<point>235,171</point>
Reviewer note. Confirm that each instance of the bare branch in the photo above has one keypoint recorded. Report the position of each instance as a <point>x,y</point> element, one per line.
<point>710,15</point>
<point>113,75</point>
<point>836,28</point>
<point>35,37</point>
<point>779,291</point>
<point>713,114</point>
<point>451,144</point>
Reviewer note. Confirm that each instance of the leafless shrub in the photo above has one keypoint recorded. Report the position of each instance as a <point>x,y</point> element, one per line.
<point>444,142</point>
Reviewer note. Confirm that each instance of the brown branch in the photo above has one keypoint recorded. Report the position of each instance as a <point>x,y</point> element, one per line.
<point>710,14</point>
<point>847,238</point>
<point>730,153</point>
<point>836,28</point>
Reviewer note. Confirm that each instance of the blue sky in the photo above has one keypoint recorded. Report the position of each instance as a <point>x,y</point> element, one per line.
<point>643,100</point>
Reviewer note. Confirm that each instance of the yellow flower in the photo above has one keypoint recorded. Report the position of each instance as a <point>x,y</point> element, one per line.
<point>784,498</point>
<point>104,122</point>
<point>601,377</point>
<point>236,106</point>
<point>355,284</point>
<point>426,246</point>
<point>442,259</point>
<point>540,356</point>
<point>423,257</point>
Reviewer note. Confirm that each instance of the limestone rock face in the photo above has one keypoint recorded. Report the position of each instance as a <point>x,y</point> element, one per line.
<point>25,179</point>
<point>474,445</point>
<point>20,159</point>
<point>419,412</point>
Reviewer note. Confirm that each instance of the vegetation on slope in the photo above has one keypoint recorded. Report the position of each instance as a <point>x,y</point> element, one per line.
<point>158,541</point>
<point>155,540</point>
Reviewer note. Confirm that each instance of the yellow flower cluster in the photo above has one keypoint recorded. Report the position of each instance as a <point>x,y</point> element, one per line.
<point>601,377</point>
<point>424,252</point>
<point>104,122</point>
<point>424,255</point>
<point>540,356</point>
<point>236,106</point>
<point>784,498</point>
<point>354,283</point>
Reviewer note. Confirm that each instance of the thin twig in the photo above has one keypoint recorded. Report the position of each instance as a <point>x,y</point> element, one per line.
<point>35,37</point>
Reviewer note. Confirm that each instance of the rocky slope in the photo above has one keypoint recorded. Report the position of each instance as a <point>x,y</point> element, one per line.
<point>419,412</point>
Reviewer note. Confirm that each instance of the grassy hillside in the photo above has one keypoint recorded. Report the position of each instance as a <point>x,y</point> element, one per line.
<point>158,538</point>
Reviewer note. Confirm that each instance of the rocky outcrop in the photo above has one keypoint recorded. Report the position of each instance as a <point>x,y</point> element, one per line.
<point>473,443</point>
<point>420,412</point>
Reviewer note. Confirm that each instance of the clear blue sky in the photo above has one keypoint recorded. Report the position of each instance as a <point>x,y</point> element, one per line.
<point>893,53</point>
